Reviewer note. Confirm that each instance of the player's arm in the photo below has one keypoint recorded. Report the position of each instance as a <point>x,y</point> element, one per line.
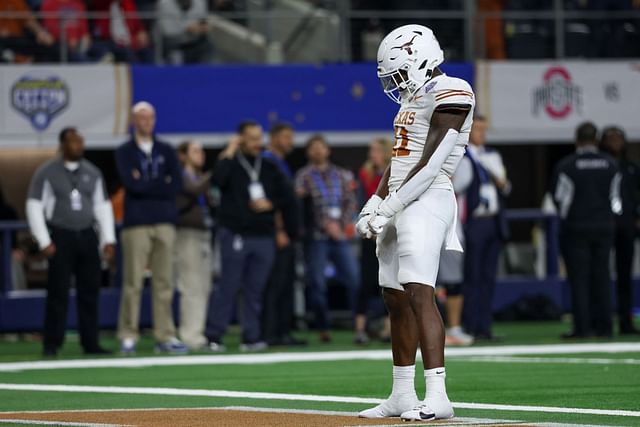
<point>445,125</point>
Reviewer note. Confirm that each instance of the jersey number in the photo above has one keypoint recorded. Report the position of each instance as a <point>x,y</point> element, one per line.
<point>402,141</point>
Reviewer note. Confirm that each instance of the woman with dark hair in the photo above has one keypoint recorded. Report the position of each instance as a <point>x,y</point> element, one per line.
<point>369,176</point>
<point>614,143</point>
<point>193,251</point>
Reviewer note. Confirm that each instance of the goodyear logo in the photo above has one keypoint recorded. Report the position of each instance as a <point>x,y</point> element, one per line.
<point>40,99</point>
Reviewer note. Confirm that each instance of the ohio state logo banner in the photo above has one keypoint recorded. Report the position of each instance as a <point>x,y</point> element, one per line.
<point>528,101</point>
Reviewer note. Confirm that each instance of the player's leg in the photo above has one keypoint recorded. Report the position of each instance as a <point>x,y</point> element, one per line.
<point>404,327</point>
<point>423,229</point>
<point>431,332</point>
<point>404,334</point>
<point>404,343</point>
<point>430,326</point>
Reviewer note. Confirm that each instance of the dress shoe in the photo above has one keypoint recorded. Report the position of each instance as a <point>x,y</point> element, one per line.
<point>325,337</point>
<point>488,338</point>
<point>98,351</point>
<point>290,340</point>
<point>573,336</point>
<point>385,339</point>
<point>49,352</point>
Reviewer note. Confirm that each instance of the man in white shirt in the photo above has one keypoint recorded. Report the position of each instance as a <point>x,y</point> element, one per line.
<point>485,231</point>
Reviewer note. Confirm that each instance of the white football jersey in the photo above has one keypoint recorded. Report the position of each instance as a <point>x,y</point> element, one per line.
<point>411,126</point>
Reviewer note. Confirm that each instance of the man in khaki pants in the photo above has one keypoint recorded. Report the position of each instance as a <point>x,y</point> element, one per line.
<point>150,174</point>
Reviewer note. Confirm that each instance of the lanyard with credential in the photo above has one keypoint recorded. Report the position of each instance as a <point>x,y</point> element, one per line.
<point>252,171</point>
<point>73,177</point>
<point>75,198</point>
<point>334,195</point>
<point>148,162</point>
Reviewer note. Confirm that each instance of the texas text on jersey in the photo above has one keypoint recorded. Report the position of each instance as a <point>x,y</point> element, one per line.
<point>411,126</point>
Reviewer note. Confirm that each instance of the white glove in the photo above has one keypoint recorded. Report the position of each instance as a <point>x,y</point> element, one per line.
<point>362,226</point>
<point>386,210</point>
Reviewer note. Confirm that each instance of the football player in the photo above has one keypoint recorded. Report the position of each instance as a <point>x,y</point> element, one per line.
<point>413,214</point>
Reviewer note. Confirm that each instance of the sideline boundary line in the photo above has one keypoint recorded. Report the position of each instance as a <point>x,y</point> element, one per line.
<point>328,356</point>
<point>559,360</point>
<point>297,397</point>
<point>56,423</point>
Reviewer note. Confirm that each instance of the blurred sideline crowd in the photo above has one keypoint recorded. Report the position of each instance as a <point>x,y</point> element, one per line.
<point>129,30</point>
<point>229,239</point>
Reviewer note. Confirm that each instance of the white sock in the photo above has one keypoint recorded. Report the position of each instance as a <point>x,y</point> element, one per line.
<point>403,379</point>
<point>435,383</point>
<point>454,330</point>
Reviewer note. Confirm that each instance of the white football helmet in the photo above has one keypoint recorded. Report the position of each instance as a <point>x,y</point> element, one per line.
<point>407,57</point>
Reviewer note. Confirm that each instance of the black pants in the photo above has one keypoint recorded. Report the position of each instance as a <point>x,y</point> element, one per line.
<point>76,255</point>
<point>586,255</point>
<point>483,245</point>
<point>369,286</point>
<point>278,296</point>
<point>624,244</point>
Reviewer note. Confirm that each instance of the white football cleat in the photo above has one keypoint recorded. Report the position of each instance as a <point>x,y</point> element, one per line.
<point>434,410</point>
<point>394,406</point>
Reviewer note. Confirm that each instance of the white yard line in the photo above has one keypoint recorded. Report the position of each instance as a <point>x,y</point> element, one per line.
<point>297,397</point>
<point>567,360</point>
<point>328,356</point>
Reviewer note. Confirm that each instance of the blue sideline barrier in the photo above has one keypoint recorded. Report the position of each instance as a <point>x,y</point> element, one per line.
<point>24,310</point>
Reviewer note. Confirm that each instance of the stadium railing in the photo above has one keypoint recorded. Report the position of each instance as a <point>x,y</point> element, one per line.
<point>295,31</point>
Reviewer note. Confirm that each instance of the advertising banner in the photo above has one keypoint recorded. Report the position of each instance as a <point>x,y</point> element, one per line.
<point>38,101</point>
<point>546,101</point>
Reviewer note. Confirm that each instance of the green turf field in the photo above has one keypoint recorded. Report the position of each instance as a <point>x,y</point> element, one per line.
<point>594,380</point>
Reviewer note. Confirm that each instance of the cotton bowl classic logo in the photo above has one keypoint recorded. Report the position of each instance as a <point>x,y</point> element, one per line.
<point>558,95</point>
<point>40,98</point>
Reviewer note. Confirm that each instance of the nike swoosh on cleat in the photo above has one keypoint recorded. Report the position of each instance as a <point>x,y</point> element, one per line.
<point>425,417</point>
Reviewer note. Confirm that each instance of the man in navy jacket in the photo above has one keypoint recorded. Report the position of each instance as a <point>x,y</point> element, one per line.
<point>150,173</point>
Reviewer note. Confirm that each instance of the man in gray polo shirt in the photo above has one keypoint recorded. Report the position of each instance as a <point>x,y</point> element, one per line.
<point>67,198</point>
